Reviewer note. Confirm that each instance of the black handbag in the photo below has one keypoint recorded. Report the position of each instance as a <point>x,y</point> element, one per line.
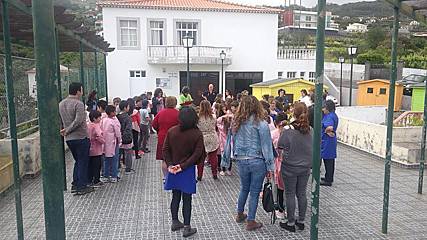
<point>267,197</point>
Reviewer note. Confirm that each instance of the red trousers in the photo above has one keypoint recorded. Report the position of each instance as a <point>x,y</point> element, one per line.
<point>213,160</point>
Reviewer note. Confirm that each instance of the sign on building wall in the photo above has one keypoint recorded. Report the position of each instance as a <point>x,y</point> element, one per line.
<point>164,83</point>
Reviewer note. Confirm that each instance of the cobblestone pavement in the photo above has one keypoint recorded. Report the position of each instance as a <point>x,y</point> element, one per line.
<point>137,207</point>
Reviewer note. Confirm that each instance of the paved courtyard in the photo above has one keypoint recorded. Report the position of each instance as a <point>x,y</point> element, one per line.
<point>137,207</point>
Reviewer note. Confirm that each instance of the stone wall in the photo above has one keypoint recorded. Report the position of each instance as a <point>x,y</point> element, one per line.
<point>371,137</point>
<point>29,159</point>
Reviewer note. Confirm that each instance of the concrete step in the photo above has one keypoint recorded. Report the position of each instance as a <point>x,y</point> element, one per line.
<point>407,153</point>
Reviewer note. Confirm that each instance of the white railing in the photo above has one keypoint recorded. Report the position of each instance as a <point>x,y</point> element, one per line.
<point>304,54</point>
<point>178,54</point>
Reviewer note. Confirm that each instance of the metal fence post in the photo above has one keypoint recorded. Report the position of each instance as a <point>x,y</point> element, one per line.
<point>12,118</point>
<point>96,72</point>
<point>82,73</point>
<point>47,96</point>
<point>320,64</point>
<point>423,144</point>
<point>105,77</point>
<point>59,83</point>
<point>390,112</point>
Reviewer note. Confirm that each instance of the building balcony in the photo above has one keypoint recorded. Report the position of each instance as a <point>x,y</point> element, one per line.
<point>298,54</point>
<point>204,55</point>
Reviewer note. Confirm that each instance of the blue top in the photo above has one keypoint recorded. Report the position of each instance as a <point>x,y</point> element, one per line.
<point>329,144</point>
<point>253,140</point>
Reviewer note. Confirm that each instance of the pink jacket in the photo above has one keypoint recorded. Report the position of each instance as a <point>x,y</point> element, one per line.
<point>112,135</point>
<point>222,134</point>
<point>96,139</point>
<point>275,135</point>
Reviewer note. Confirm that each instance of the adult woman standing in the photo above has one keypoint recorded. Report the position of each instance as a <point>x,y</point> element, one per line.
<point>182,150</point>
<point>157,101</point>
<point>297,145</point>
<point>163,121</point>
<point>329,141</point>
<point>252,148</point>
<point>207,124</point>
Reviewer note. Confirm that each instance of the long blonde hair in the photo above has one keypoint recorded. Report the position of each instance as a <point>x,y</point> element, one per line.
<point>249,107</point>
<point>205,109</point>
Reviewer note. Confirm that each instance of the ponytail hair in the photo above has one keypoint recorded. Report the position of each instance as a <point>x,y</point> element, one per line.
<point>301,118</point>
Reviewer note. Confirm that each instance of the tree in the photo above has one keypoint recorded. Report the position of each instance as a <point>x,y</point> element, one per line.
<point>375,36</point>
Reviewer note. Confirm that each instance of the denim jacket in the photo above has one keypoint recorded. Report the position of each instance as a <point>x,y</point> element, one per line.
<point>252,140</point>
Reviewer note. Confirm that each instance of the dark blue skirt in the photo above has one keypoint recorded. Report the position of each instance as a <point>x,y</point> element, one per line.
<point>184,181</point>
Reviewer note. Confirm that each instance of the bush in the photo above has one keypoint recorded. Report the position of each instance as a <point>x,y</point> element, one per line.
<point>372,56</point>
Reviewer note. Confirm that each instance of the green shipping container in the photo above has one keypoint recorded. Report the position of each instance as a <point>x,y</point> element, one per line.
<point>418,99</point>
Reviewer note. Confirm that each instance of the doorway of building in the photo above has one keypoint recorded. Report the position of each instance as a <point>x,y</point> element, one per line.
<point>237,82</point>
<point>199,82</point>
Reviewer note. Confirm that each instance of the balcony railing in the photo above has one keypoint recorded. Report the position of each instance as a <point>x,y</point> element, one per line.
<point>302,54</point>
<point>178,55</point>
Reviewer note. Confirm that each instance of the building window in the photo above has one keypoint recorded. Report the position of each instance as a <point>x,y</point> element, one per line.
<point>136,74</point>
<point>308,25</point>
<point>297,17</point>
<point>308,18</point>
<point>383,91</point>
<point>311,76</point>
<point>302,74</point>
<point>187,28</point>
<point>280,74</point>
<point>157,32</point>
<point>291,74</point>
<point>370,90</point>
<point>128,33</point>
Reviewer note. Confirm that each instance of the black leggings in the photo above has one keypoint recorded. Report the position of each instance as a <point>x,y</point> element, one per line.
<point>186,206</point>
<point>280,199</point>
<point>135,136</point>
<point>223,168</point>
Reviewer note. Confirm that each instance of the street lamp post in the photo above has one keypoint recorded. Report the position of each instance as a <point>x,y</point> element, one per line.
<point>352,51</point>
<point>222,55</point>
<point>341,60</point>
<point>187,42</point>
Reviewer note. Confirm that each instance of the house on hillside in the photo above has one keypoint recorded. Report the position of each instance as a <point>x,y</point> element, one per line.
<point>148,38</point>
<point>357,27</point>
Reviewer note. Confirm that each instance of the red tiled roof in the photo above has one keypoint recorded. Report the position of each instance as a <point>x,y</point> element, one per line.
<point>190,5</point>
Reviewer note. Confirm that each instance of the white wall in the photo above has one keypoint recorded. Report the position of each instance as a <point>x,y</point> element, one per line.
<point>253,38</point>
<point>408,71</point>
<point>371,114</point>
<point>333,70</point>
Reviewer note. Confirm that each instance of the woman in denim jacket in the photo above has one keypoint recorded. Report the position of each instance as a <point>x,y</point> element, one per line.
<point>253,151</point>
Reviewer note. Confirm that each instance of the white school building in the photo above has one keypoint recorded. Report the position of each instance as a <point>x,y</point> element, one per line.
<point>147,36</point>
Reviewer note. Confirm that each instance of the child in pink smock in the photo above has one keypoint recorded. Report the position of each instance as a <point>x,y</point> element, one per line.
<point>112,135</point>
<point>96,148</point>
<point>280,123</point>
<point>223,123</point>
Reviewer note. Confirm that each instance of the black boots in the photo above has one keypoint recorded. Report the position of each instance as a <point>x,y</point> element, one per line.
<point>176,225</point>
<point>188,231</point>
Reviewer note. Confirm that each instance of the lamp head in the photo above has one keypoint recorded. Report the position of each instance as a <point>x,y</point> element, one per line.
<point>188,41</point>
<point>341,60</point>
<point>352,50</point>
<point>222,55</point>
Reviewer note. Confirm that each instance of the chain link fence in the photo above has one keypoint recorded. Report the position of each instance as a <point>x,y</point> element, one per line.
<point>25,91</point>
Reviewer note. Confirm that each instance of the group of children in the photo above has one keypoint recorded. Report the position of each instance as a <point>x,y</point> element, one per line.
<point>117,132</point>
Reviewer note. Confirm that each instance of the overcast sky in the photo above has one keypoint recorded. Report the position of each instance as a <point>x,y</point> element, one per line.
<point>307,3</point>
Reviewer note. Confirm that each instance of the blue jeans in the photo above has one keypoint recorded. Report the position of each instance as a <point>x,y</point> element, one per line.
<point>80,150</point>
<point>111,165</point>
<point>252,173</point>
